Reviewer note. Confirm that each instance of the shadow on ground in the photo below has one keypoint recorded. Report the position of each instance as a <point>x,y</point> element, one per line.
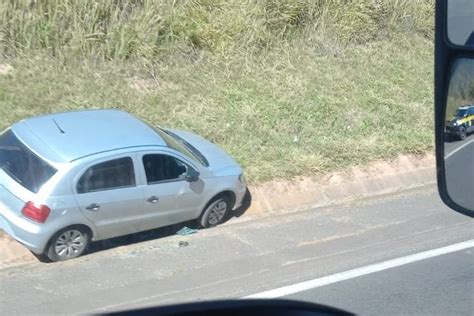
<point>448,138</point>
<point>163,231</point>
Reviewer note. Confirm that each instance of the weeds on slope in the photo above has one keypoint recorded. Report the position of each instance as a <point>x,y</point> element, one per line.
<point>287,87</point>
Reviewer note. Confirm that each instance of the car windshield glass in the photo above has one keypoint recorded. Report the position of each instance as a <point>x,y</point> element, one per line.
<point>461,113</point>
<point>23,165</point>
<point>179,144</point>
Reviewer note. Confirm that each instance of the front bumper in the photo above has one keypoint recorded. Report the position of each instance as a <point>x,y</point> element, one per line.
<point>454,130</point>
<point>239,196</point>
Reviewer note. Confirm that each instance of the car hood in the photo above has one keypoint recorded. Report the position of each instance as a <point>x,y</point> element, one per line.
<point>220,163</point>
<point>452,120</point>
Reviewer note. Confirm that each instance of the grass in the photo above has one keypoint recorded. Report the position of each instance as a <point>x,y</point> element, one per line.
<point>461,87</point>
<point>288,88</point>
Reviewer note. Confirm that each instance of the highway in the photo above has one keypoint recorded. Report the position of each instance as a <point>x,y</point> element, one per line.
<point>252,255</point>
<point>437,286</point>
<point>459,169</point>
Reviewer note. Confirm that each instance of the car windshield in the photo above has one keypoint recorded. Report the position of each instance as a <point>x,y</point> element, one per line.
<point>23,165</point>
<point>180,145</point>
<point>461,112</point>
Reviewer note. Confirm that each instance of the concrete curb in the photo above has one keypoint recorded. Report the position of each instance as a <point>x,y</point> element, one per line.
<point>377,178</point>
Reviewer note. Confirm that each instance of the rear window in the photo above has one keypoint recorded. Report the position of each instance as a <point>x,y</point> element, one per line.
<point>23,165</point>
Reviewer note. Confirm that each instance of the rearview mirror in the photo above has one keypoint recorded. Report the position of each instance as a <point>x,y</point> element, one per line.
<point>454,103</point>
<point>459,134</point>
<point>192,175</point>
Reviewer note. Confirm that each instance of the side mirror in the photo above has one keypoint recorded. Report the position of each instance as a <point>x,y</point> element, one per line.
<point>192,175</point>
<point>454,92</point>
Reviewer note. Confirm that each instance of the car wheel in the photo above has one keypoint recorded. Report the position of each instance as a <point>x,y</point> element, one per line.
<point>215,212</point>
<point>462,132</point>
<point>68,243</point>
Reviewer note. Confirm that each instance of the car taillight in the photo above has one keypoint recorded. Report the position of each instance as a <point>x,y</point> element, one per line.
<point>38,213</point>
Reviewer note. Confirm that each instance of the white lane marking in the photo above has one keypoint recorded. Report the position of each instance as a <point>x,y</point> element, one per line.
<point>458,149</point>
<point>338,277</point>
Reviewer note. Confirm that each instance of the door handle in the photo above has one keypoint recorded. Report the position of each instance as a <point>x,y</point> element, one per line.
<point>93,207</point>
<point>152,199</point>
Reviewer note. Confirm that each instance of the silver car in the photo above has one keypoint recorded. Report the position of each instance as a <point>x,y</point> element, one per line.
<point>70,178</point>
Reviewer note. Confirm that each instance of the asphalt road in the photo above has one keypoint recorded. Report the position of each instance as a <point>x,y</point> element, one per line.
<point>454,144</point>
<point>459,169</point>
<point>253,255</point>
<point>437,286</point>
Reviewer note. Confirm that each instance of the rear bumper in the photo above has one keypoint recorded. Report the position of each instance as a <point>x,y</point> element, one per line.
<point>25,232</point>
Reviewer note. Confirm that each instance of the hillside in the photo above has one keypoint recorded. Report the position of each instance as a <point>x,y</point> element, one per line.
<point>461,88</point>
<point>287,87</point>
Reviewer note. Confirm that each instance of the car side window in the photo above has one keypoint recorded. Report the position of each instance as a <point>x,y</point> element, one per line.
<point>112,174</point>
<point>159,167</point>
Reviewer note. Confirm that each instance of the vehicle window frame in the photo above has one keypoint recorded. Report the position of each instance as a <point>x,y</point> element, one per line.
<point>163,152</point>
<point>166,151</point>
<point>83,171</point>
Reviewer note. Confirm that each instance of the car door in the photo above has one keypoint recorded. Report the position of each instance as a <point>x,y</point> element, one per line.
<point>108,196</point>
<point>169,197</point>
<point>470,122</point>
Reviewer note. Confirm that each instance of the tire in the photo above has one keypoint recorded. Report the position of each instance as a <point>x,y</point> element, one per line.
<point>41,257</point>
<point>215,212</point>
<point>68,243</point>
<point>462,133</point>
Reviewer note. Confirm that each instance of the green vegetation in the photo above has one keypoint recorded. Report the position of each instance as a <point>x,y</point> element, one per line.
<point>461,86</point>
<point>287,87</point>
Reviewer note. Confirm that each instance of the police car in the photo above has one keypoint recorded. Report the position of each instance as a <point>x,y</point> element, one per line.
<point>462,123</point>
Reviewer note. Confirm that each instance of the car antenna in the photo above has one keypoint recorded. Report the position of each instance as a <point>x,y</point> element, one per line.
<point>59,127</point>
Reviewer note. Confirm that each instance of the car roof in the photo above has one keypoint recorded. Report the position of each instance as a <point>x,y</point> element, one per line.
<point>69,136</point>
<point>466,107</point>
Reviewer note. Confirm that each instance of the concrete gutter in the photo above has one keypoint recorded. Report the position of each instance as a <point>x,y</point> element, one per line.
<point>377,178</point>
